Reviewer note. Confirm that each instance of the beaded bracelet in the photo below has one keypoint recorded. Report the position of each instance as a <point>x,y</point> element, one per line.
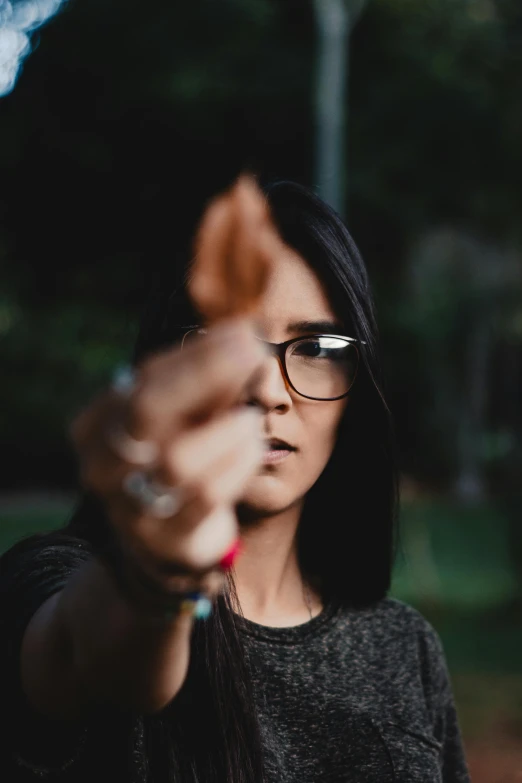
<point>188,596</point>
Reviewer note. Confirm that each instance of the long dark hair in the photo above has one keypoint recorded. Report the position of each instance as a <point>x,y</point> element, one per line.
<point>346,537</point>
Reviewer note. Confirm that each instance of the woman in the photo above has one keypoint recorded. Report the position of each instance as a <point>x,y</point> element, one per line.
<point>304,671</point>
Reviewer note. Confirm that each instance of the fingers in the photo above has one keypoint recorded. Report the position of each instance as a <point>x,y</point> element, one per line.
<point>177,389</point>
<point>188,460</point>
<point>210,465</point>
<point>198,453</point>
<point>222,478</point>
<point>197,535</point>
<point>100,467</point>
<point>235,473</point>
<point>157,545</point>
<point>186,405</point>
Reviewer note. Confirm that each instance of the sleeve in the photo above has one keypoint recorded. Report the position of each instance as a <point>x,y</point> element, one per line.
<point>36,748</point>
<point>441,704</point>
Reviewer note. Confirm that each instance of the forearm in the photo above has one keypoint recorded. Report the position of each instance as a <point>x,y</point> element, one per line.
<point>86,647</point>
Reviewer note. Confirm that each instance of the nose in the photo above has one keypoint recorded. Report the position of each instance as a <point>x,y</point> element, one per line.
<point>269,388</point>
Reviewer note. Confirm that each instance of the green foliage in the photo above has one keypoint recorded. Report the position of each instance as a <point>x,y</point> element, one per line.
<point>106,164</point>
<point>21,520</point>
<point>434,109</point>
<point>455,557</point>
<point>68,352</point>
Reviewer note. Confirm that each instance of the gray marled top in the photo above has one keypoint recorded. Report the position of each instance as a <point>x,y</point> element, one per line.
<point>358,695</point>
<point>352,696</point>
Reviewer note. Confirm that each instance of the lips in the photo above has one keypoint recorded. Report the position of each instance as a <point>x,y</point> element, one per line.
<point>278,444</point>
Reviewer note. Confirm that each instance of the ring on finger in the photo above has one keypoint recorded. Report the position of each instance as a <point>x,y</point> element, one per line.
<point>157,499</point>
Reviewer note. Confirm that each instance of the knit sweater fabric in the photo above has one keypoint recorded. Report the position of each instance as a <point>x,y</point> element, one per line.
<point>351,696</point>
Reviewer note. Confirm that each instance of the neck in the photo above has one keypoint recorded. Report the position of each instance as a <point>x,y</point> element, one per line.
<point>269,582</point>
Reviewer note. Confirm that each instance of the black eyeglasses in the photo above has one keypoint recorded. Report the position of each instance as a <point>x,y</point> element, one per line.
<point>318,366</point>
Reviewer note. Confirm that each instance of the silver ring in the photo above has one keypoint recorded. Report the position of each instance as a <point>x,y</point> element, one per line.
<point>136,452</point>
<point>160,501</point>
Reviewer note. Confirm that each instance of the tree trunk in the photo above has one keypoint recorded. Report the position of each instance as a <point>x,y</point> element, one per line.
<point>470,479</point>
<point>333,24</point>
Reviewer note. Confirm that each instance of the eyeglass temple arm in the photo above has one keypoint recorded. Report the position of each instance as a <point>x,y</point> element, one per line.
<point>341,336</point>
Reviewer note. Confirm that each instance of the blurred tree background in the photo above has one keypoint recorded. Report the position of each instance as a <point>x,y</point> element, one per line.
<point>128,117</point>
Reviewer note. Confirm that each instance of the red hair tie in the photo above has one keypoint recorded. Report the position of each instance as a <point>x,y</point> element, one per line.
<point>228,559</point>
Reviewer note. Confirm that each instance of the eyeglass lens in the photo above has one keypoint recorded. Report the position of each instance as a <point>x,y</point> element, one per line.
<point>322,367</point>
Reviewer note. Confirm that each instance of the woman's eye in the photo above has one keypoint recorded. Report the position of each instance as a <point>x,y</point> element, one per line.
<point>328,349</point>
<point>309,349</point>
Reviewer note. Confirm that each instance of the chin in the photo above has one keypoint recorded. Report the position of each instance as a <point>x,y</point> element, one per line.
<point>265,496</point>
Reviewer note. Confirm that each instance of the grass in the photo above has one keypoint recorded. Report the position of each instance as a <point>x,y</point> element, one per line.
<point>455,567</point>
<point>454,556</point>
<point>18,520</point>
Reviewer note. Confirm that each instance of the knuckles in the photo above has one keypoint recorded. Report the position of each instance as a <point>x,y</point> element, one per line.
<point>208,496</point>
<point>173,466</point>
<point>141,409</point>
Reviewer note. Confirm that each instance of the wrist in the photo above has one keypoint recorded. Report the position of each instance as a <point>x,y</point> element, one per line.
<point>188,593</point>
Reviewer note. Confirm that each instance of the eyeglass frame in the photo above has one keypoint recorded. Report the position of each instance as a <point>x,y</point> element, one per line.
<point>280,349</point>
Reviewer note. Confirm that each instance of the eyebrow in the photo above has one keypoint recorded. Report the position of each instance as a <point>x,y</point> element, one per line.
<point>316,327</point>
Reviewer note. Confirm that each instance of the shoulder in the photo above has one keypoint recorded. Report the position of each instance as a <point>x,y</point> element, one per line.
<point>33,570</point>
<point>393,619</point>
<point>413,626</point>
<point>401,658</point>
<point>407,648</point>
<point>396,636</point>
<point>43,559</point>
<point>47,551</point>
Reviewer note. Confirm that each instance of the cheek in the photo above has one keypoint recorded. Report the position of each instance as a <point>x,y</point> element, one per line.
<point>283,485</point>
<point>320,436</point>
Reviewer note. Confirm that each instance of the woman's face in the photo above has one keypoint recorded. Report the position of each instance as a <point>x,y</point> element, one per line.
<point>294,295</point>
